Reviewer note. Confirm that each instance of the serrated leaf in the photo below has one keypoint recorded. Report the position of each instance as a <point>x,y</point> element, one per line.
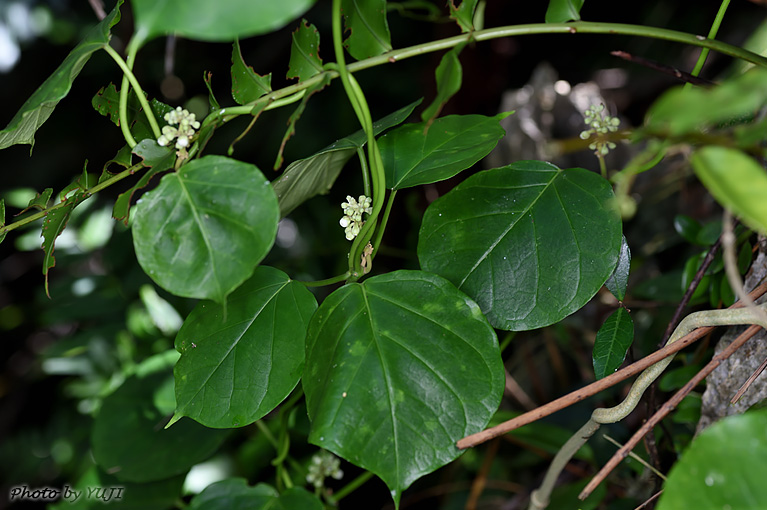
<point>619,280</point>
<point>203,230</point>
<point>688,110</point>
<point>529,242</point>
<point>449,75</point>
<point>36,110</point>
<point>158,159</point>
<point>612,343</point>
<point>463,14</point>
<point>247,85</point>
<point>399,368</point>
<point>152,453</point>
<point>365,20</point>
<point>736,181</point>
<point>40,200</point>
<point>234,371</point>
<point>722,468</point>
<point>235,494</point>
<point>297,115</point>
<point>305,59</point>
<point>316,174</point>
<point>452,144</point>
<point>222,21</point>
<point>562,11</point>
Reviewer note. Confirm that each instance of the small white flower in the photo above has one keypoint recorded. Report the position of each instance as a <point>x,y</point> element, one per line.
<point>187,124</point>
<point>353,211</point>
<point>323,465</point>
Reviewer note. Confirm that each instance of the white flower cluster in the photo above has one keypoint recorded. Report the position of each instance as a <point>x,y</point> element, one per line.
<point>186,125</point>
<point>323,465</point>
<point>352,219</point>
<point>599,125</point>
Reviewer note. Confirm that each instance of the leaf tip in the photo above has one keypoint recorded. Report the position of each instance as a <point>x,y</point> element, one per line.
<point>176,416</point>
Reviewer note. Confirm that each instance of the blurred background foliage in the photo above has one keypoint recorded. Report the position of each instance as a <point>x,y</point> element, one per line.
<point>61,356</point>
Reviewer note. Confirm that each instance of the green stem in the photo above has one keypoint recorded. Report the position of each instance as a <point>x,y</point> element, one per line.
<point>365,171</point>
<point>711,35</point>
<point>352,486</point>
<point>129,77</point>
<point>95,189</point>
<point>384,220</point>
<point>326,281</point>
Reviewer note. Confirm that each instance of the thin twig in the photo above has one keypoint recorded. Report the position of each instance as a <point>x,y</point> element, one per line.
<point>595,387</point>
<point>479,483</point>
<point>666,408</point>
<point>748,382</point>
<point>652,498</point>
<point>636,458</point>
<point>515,390</point>
<point>662,68</point>
<point>98,8</point>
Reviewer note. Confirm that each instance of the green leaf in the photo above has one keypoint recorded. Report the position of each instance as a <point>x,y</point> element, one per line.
<point>722,468</point>
<point>316,174</point>
<point>449,75</point>
<point>297,115</point>
<point>129,441</point>
<point>107,100</point>
<point>529,242</point>
<point>233,372</point>
<point>53,226</point>
<point>452,144</point>
<point>463,14</point>
<point>613,341</point>
<point>223,21</point>
<point>247,85</point>
<point>619,280</point>
<point>562,11</point>
<point>40,200</point>
<point>2,219</point>
<point>158,159</point>
<point>234,494</point>
<point>36,110</point>
<point>687,227</point>
<point>398,369</point>
<point>369,31</point>
<point>684,110</point>
<point>737,182</point>
<point>203,230</point>
<point>305,59</point>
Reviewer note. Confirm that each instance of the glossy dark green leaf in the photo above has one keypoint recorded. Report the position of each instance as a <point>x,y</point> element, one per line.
<point>235,370</point>
<point>684,110</point>
<point>203,230</point>
<point>365,20</point>
<point>448,75</point>
<point>463,14</point>
<point>247,85</point>
<point>223,20</point>
<point>398,369</point>
<point>158,159</point>
<point>235,494</point>
<point>613,341</point>
<point>562,11</point>
<point>452,144</point>
<point>129,439</point>
<point>36,110</point>
<point>619,280</point>
<point>316,174</point>
<point>737,182</point>
<point>291,130</point>
<point>305,59</point>
<point>722,468</point>
<point>687,227</point>
<point>529,242</point>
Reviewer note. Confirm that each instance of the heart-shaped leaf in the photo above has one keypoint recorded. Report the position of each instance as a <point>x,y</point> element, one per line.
<point>451,144</point>
<point>613,341</point>
<point>202,231</point>
<point>316,174</point>
<point>153,452</point>
<point>369,31</point>
<point>235,370</point>
<point>529,242</point>
<point>36,110</point>
<point>223,20</point>
<point>398,369</point>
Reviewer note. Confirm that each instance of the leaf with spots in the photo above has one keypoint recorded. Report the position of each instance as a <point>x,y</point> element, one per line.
<point>234,371</point>
<point>398,369</point>
<point>203,230</point>
<point>247,85</point>
<point>452,144</point>
<point>365,20</point>
<point>305,59</point>
<point>531,243</point>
